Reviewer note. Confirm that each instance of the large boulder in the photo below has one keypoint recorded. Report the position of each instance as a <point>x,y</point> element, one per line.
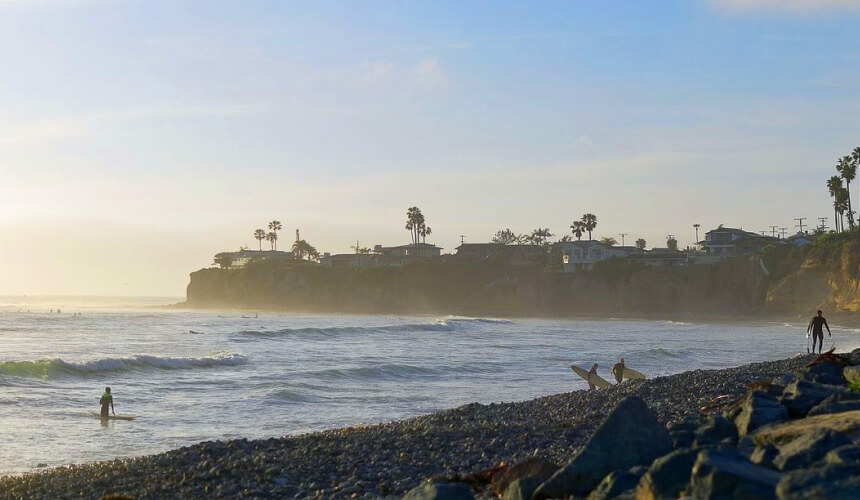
<point>521,489</point>
<point>630,436</point>
<point>837,403</point>
<point>852,373</point>
<point>667,476</point>
<point>824,372</point>
<point>726,474</point>
<point>532,467</point>
<point>440,491</point>
<point>764,455</point>
<point>800,396</point>
<point>844,455</point>
<point>759,409</point>
<point>830,481</point>
<point>618,484</point>
<point>809,448</point>
<point>716,429</point>
<point>847,423</point>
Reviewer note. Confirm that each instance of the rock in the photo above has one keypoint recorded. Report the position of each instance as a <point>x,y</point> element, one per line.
<point>759,409</point>
<point>809,448</point>
<point>843,455</point>
<point>824,372</point>
<point>715,430</point>
<point>832,481</point>
<point>521,489</point>
<point>854,356</point>
<point>630,435</point>
<point>725,474</point>
<point>617,483</point>
<point>847,423</point>
<point>837,403</point>
<point>531,467</point>
<point>852,373</point>
<point>667,476</point>
<point>800,396</point>
<point>764,455</point>
<point>440,491</point>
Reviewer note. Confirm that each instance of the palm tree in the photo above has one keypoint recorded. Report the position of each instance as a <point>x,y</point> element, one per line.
<point>565,239</point>
<point>608,241</point>
<point>672,243</point>
<point>834,185</point>
<point>414,222</point>
<point>590,221</point>
<point>855,155</point>
<point>272,238</point>
<point>302,248</point>
<point>640,244</point>
<point>274,227</point>
<point>504,237</point>
<point>540,235</point>
<point>841,204</point>
<point>260,235</point>
<point>577,228</point>
<point>424,231</point>
<point>848,170</point>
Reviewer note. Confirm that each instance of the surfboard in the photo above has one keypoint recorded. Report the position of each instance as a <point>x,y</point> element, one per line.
<point>113,417</point>
<point>631,373</point>
<point>595,379</point>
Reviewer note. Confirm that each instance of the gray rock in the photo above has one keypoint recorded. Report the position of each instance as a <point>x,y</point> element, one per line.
<point>759,409</point>
<point>843,455</point>
<point>531,467</point>
<point>716,429</point>
<point>440,491</point>
<point>808,448</point>
<point>854,356</point>
<point>832,481</point>
<point>725,474</point>
<point>852,373</point>
<point>837,403</point>
<point>800,396</point>
<point>618,483</point>
<point>823,373</point>
<point>521,489</point>
<point>764,455</point>
<point>630,435</point>
<point>667,476</point>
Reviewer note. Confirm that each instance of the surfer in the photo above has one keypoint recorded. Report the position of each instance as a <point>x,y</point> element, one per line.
<point>817,332</point>
<point>107,402</point>
<point>618,370</point>
<point>592,372</point>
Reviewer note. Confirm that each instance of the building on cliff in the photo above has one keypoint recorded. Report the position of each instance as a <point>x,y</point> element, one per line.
<point>582,255</point>
<point>238,260</point>
<point>725,242</point>
<point>383,256</point>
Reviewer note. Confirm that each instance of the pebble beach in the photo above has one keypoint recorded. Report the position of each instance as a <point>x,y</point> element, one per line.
<point>386,460</point>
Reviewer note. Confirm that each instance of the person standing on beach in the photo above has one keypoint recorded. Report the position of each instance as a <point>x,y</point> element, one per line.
<point>618,370</point>
<point>817,332</point>
<point>107,403</point>
<point>592,372</point>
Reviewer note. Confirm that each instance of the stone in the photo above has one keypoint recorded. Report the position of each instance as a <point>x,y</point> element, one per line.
<point>630,435</point>
<point>824,372</point>
<point>521,489</point>
<point>831,481</point>
<point>726,474</point>
<point>618,483</point>
<point>837,403</point>
<point>800,396</point>
<point>759,409</point>
<point>531,467</point>
<point>809,448</point>
<point>847,423</point>
<point>716,429</point>
<point>849,454</point>
<point>854,356</point>
<point>667,476</point>
<point>440,491</point>
<point>764,455</point>
<point>852,373</point>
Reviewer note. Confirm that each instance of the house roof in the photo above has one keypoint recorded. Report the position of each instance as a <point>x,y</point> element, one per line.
<point>479,246</point>
<point>420,245</point>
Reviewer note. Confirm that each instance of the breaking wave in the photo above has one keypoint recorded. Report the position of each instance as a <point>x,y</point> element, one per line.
<point>447,324</point>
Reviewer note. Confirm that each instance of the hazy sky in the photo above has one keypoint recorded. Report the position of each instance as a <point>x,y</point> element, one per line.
<point>139,138</point>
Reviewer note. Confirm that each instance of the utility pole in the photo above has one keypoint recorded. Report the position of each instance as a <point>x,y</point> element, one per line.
<point>822,223</point>
<point>782,231</point>
<point>697,226</point>
<point>297,235</point>
<point>622,237</point>
<point>763,232</point>
<point>462,239</point>
<point>773,231</point>
<point>800,224</point>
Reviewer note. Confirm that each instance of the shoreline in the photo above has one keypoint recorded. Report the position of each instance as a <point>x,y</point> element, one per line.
<point>386,459</point>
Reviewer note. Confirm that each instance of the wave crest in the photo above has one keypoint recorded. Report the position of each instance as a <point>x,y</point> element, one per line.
<point>446,324</point>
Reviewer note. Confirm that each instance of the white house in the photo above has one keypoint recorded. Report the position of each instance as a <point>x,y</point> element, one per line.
<point>580,255</point>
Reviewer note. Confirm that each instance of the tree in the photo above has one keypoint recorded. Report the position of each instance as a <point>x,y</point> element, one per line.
<point>577,228</point>
<point>640,244</point>
<point>608,241</point>
<point>274,227</point>
<point>672,244</point>
<point>260,235</point>
<point>848,170</point>
<point>224,259</point>
<point>834,185</point>
<point>521,239</point>
<point>504,237</point>
<point>272,238</point>
<point>590,221</point>
<point>424,231</point>
<point>855,155</point>
<point>841,205</point>
<point>414,223</point>
<point>565,239</point>
<point>540,235</point>
<point>302,248</point>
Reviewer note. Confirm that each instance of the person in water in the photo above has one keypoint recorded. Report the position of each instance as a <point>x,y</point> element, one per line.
<point>817,332</point>
<point>592,373</point>
<point>107,403</point>
<point>618,370</point>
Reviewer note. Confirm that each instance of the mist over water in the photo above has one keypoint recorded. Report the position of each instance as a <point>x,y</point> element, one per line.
<point>191,376</point>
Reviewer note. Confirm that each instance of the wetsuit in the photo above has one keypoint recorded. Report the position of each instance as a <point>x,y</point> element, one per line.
<point>817,331</point>
<point>618,371</point>
<point>106,402</point>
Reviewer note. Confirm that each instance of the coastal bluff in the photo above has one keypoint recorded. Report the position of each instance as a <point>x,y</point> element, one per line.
<point>787,284</point>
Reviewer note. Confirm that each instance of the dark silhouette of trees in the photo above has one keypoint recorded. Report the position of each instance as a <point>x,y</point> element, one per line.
<point>415,224</point>
<point>834,186</point>
<point>577,228</point>
<point>640,244</point>
<point>272,238</point>
<point>539,236</point>
<point>260,235</point>
<point>672,244</point>
<point>223,259</point>
<point>504,237</point>
<point>590,221</point>
<point>848,170</point>
<point>608,241</point>
<point>274,227</point>
<point>304,249</point>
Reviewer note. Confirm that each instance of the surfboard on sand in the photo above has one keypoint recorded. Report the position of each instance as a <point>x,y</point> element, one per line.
<point>113,417</point>
<point>631,373</point>
<point>595,379</point>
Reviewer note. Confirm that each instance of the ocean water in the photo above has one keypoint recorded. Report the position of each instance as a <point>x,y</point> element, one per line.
<point>191,376</point>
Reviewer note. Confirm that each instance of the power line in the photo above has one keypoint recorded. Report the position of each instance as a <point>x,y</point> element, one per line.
<point>622,237</point>
<point>800,224</point>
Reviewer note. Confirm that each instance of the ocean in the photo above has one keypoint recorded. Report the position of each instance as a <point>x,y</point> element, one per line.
<point>191,376</point>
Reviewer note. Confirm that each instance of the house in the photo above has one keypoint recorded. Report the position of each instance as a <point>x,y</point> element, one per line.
<point>581,255</point>
<point>238,260</point>
<point>660,257</point>
<point>350,260</point>
<point>729,242</point>
<point>382,256</point>
<point>518,255</point>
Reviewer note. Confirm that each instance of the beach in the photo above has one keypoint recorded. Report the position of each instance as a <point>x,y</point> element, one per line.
<point>389,459</point>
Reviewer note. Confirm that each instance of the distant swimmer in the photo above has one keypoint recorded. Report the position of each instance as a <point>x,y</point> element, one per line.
<point>618,370</point>
<point>817,331</point>
<point>592,373</point>
<point>107,403</point>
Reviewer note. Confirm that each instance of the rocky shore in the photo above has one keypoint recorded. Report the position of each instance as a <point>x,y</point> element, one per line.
<point>662,436</point>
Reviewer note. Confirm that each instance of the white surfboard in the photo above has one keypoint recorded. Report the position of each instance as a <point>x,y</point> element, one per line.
<point>595,379</point>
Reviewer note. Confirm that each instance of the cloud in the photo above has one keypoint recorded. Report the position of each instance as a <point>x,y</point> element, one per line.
<point>784,6</point>
<point>583,141</point>
<point>428,73</point>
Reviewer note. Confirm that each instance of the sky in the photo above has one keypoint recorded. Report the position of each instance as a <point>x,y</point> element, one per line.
<point>139,138</point>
